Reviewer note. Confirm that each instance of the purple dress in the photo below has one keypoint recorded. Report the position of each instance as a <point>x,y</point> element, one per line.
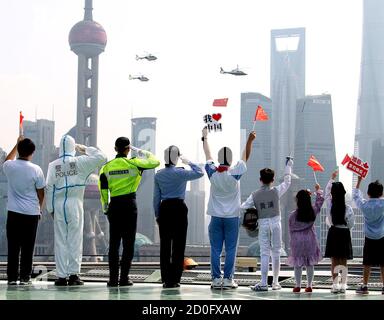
<point>305,250</point>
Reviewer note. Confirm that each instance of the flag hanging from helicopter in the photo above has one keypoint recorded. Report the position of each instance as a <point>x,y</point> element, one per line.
<point>212,122</point>
<point>356,165</point>
<point>220,102</point>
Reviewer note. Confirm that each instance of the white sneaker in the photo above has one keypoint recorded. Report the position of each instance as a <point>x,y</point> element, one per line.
<point>216,283</point>
<point>259,287</point>
<point>229,284</point>
<point>343,287</point>
<point>335,288</point>
<point>276,286</point>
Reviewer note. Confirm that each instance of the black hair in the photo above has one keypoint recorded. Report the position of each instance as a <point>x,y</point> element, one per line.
<point>25,148</point>
<point>267,175</point>
<point>170,155</point>
<point>338,204</point>
<point>305,212</point>
<point>122,144</point>
<point>375,189</point>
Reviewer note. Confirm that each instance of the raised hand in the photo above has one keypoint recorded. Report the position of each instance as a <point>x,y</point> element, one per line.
<point>252,136</point>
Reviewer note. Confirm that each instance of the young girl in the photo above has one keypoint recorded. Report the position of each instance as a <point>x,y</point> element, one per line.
<point>305,250</point>
<point>340,219</point>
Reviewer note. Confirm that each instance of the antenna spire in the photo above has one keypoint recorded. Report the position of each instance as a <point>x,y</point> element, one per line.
<point>88,10</point>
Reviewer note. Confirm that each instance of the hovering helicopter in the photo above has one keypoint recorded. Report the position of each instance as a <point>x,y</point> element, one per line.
<point>235,72</point>
<point>141,78</point>
<point>149,57</point>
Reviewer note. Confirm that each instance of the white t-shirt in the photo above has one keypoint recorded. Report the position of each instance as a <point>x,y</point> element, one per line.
<point>24,178</point>
<point>224,199</point>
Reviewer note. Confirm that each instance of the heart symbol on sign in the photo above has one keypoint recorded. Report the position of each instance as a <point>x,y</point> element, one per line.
<point>216,116</point>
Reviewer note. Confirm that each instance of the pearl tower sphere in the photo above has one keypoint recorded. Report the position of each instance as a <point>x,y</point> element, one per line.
<point>87,37</point>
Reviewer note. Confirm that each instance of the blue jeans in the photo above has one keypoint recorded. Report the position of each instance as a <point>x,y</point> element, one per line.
<point>223,230</point>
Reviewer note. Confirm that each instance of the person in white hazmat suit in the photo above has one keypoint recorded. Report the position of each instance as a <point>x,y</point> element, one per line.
<point>66,180</point>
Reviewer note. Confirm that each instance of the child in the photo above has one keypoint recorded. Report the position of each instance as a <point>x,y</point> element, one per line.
<point>340,219</point>
<point>305,250</point>
<point>373,211</point>
<point>267,201</point>
<point>224,209</point>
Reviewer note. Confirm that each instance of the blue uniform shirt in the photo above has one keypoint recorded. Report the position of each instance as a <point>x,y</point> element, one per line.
<point>171,182</point>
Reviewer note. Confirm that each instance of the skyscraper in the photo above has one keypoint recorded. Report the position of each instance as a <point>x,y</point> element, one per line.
<point>370,114</point>
<point>3,206</point>
<point>42,133</point>
<point>87,39</point>
<point>195,200</point>
<point>314,136</point>
<point>261,154</point>
<point>287,85</point>
<point>144,137</point>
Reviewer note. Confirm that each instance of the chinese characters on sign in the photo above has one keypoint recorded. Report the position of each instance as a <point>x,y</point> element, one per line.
<point>356,165</point>
<point>212,122</point>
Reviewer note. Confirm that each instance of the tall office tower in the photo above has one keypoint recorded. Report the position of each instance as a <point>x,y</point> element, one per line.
<point>195,200</point>
<point>87,39</point>
<point>377,158</point>
<point>3,207</point>
<point>261,154</point>
<point>314,136</point>
<point>144,137</point>
<point>42,133</point>
<point>287,85</point>
<point>370,115</point>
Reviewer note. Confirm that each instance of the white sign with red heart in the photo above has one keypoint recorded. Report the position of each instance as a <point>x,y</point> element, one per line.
<point>212,122</point>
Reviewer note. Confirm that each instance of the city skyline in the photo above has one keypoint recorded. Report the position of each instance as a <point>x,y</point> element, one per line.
<point>370,118</point>
<point>185,78</point>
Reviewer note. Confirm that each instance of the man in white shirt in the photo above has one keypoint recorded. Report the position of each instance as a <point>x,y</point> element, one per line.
<point>224,209</point>
<point>25,198</point>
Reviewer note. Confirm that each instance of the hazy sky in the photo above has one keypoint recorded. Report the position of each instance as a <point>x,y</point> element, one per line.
<point>192,39</point>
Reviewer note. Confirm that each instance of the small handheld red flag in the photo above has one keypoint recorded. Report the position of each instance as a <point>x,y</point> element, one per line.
<point>21,117</point>
<point>260,114</point>
<point>346,159</point>
<point>220,102</point>
<point>315,164</point>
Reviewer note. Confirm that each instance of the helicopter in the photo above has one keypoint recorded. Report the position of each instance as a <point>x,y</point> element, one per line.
<point>235,72</point>
<point>141,78</point>
<point>149,57</point>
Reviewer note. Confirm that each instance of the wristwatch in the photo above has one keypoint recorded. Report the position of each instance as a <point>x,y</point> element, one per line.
<point>203,138</point>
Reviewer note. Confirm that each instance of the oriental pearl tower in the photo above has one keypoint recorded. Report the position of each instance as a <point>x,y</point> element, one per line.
<point>87,40</point>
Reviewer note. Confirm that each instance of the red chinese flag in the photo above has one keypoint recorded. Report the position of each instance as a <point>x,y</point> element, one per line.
<point>346,159</point>
<point>220,102</point>
<point>315,164</point>
<point>260,114</point>
<point>21,119</point>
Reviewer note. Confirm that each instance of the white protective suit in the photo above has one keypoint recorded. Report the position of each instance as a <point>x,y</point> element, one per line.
<point>66,179</point>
